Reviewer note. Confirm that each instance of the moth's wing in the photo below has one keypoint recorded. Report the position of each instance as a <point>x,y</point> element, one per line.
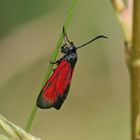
<point>63,84</point>
<point>56,88</point>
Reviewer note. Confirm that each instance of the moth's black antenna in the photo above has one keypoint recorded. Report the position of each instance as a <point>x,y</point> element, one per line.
<point>100,36</point>
<point>65,36</point>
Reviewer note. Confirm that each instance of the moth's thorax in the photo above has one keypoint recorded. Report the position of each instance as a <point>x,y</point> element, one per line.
<point>71,58</point>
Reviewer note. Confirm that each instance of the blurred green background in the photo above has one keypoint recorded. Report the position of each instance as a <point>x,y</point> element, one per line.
<point>98,104</point>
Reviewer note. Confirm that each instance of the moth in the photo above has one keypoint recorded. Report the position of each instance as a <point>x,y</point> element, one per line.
<point>56,89</point>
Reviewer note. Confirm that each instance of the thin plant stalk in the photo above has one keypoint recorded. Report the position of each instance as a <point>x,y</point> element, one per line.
<point>53,58</point>
<point>135,70</point>
<point>132,43</point>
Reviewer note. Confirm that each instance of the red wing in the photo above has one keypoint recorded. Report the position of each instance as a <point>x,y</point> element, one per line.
<point>55,90</point>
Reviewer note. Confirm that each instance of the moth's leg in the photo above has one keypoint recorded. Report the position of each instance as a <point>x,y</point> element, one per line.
<point>63,46</point>
<point>64,49</point>
<point>56,62</point>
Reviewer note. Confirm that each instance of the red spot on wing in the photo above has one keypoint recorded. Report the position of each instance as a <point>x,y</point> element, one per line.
<point>58,82</point>
<point>64,78</point>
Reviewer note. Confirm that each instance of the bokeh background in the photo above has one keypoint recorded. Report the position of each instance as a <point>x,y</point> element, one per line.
<point>98,104</point>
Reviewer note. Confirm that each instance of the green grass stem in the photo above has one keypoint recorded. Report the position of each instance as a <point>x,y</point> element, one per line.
<point>53,59</point>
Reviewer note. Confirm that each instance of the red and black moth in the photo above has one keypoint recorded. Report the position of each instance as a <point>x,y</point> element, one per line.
<point>57,87</point>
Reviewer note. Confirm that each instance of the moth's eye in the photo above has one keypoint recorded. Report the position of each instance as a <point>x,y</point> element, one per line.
<point>71,43</point>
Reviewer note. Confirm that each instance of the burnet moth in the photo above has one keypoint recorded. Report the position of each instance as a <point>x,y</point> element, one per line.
<point>57,87</point>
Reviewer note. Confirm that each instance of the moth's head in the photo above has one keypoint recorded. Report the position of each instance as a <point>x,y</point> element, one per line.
<point>68,48</point>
